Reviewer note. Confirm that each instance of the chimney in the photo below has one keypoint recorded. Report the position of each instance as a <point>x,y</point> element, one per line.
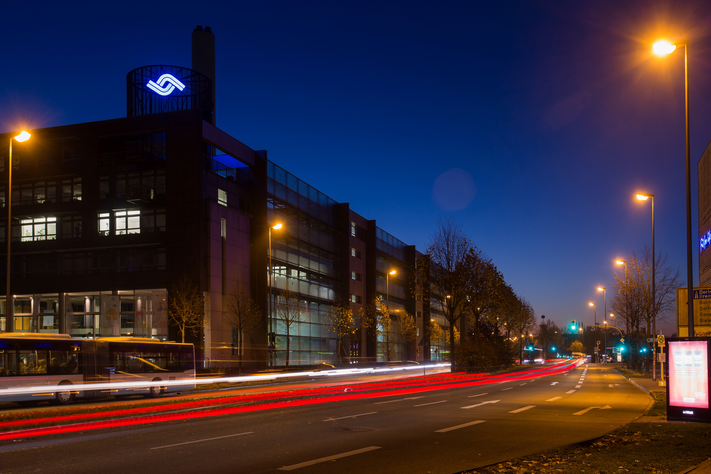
<point>204,59</point>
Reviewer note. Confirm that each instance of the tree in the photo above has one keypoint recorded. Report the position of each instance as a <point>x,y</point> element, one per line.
<point>483,289</point>
<point>242,314</point>
<point>340,322</point>
<point>186,307</point>
<point>376,317</point>
<point>406,329</point>
<point>445,275</point>
<point>576,346</point>
<point>436,331</point>
<point>549,335</point>
<point>289,310</point>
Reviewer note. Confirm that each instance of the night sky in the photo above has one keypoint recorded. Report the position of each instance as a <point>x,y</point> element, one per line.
<point>531,124</point>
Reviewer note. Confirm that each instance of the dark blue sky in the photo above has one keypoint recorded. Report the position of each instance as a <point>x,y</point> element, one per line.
<point>532,124</point>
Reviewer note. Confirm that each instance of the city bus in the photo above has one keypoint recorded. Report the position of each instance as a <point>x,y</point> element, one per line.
<point>44,367</point>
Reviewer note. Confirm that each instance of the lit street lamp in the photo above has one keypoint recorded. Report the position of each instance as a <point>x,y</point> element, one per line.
<point>662,48</point>
<point>387,287</point>
<point>9,300</point>
<point>644,197</point>
<point>604,293</point>
<point>272,336</point>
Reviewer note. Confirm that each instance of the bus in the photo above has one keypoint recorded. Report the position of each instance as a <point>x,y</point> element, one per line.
<point>44,367</point>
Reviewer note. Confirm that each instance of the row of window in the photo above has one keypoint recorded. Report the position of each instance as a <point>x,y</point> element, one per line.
<point>42,192</point>
<point>80,263</point>
<point>123,222</point>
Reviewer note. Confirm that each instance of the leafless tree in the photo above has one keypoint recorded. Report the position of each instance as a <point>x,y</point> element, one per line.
<point>242,314</point>
<point>186,307</point>
<point>446,278</point>
<point>340,322</point>
<point>289,310</point>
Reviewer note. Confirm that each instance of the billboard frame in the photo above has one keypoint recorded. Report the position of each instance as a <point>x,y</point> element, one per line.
<point>691,412</point>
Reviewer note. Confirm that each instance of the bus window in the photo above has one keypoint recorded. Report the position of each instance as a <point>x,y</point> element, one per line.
<point>8,362</point>
<point>32,362</point>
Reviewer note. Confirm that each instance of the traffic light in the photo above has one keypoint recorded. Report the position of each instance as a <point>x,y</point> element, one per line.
<point>553,348</point>
<point>573,325</point>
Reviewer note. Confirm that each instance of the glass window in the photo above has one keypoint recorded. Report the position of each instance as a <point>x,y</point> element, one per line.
<point>104,223</point>
<point>38,228</point>
<point>222,197</point>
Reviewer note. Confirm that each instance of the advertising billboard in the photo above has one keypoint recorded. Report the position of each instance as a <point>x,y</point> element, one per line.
<point>688,383</point>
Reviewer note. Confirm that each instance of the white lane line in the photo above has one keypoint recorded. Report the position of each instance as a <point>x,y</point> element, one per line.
<point>504,389</point>
<point>480,404</point>
<point>477,395</point>
<point>582,412</point>
<point>444,430</point>
<point>523,409</point>
<point>399,400</point>
<point>570,391</point>
<point>328,458</point>
<point>202,440</point>
<point>553,399</point>
<point>522,384</point>
<point>578,386</point>
<point>432,403</point>
<point>352,416</point>
<point>554,383</point>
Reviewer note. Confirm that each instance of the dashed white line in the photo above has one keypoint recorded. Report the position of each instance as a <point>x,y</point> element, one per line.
<point>504,389</point>
<point>578,386</point>
<point>431,403</point>
<point>444,430</point>
<point>480,404</point>
<point>328,458</point>
<point>352,416</point>
<point>570,391</point>
<point>398,400</point>
<point>477,395</point>
<point>553,399</point>
<point>203,440</point>
<point>523,409</point>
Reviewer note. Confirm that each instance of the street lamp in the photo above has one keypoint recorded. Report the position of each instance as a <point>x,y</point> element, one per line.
<point>271,338</point>
<point>662,48</point>
<point>9,303</point>
<point>604,294</point>
<point>595,309</point>
<point>624,262</point>
<point>387,287</point>
<point>644,197</point>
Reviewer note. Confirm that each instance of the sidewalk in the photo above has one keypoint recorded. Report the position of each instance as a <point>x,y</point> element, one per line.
<point>650,386</point>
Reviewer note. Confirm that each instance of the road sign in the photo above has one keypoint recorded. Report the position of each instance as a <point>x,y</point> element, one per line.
<point>651,339</point>
<point>660,339</point>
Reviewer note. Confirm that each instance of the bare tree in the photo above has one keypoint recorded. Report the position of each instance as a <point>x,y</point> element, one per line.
<point>289,310</point>
<point>340,322</point>
<point>483,289</point>
<point>242,314</point>
<point>446,278</point>
<point>186,307</point>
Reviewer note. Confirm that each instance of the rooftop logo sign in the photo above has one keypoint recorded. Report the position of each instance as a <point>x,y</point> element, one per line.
<point>160,87</point>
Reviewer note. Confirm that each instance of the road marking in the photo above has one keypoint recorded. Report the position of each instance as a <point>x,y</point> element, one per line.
<point>444,430</point>
<point>352,416</point>
<point>553,399</point>
<point>480,404</point>
<point>554,383</point>
<point>521,385</point>
<point>578,386</point>
<point>582,412</point>
<point>432,403</point>
<point>328,458</point>
<point>570,391</point>
<point>504,389</point>
<point>477,395</point>
<point>399,400</point>
<point>523,409</point>
<point>202,440</point>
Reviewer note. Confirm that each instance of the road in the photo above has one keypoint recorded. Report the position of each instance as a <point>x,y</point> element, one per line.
<point>441,431</point>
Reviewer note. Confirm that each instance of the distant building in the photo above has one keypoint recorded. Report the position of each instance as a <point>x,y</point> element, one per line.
<point>704,242</point>
<point>107,216</point>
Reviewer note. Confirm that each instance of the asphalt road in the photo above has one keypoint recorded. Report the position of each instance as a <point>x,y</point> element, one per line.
<point>443,431</point>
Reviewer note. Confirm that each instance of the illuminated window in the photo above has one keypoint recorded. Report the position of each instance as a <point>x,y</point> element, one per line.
<point>222,197</point>
<point>355,253</point>
<point>356,299</point>
<point>356,276</point>
<point>104,223</point>
<point>71,190</point>
<point>128,222</point>
<point>38,228</point>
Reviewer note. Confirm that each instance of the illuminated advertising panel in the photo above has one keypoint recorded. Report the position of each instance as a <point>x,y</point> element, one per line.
<point>688,385</point>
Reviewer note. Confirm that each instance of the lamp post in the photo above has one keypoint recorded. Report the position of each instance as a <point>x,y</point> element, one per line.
<point>9,303</point>
<point>662,48</point>
<point>595,314</point>
<point>271,337</point>
<point>387,288</point>
<point>644,197</point>
<point>624,262</point>
<point>604,294</point>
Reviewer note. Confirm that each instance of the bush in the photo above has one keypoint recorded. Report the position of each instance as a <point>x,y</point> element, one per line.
<point>483,356</point>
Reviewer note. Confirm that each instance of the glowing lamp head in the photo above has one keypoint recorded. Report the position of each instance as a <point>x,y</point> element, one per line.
<point>591,304</point>
<point>277,226</point>
<point>662,48</point>
<point>23,136</point>
<point>642,197</point>
<point>600,288</point>
<point>620,262</point>
<point>394,272</point>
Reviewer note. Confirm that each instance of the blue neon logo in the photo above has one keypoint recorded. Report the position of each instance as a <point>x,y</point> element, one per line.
<point>160,87</point>
<point>705,240</point>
